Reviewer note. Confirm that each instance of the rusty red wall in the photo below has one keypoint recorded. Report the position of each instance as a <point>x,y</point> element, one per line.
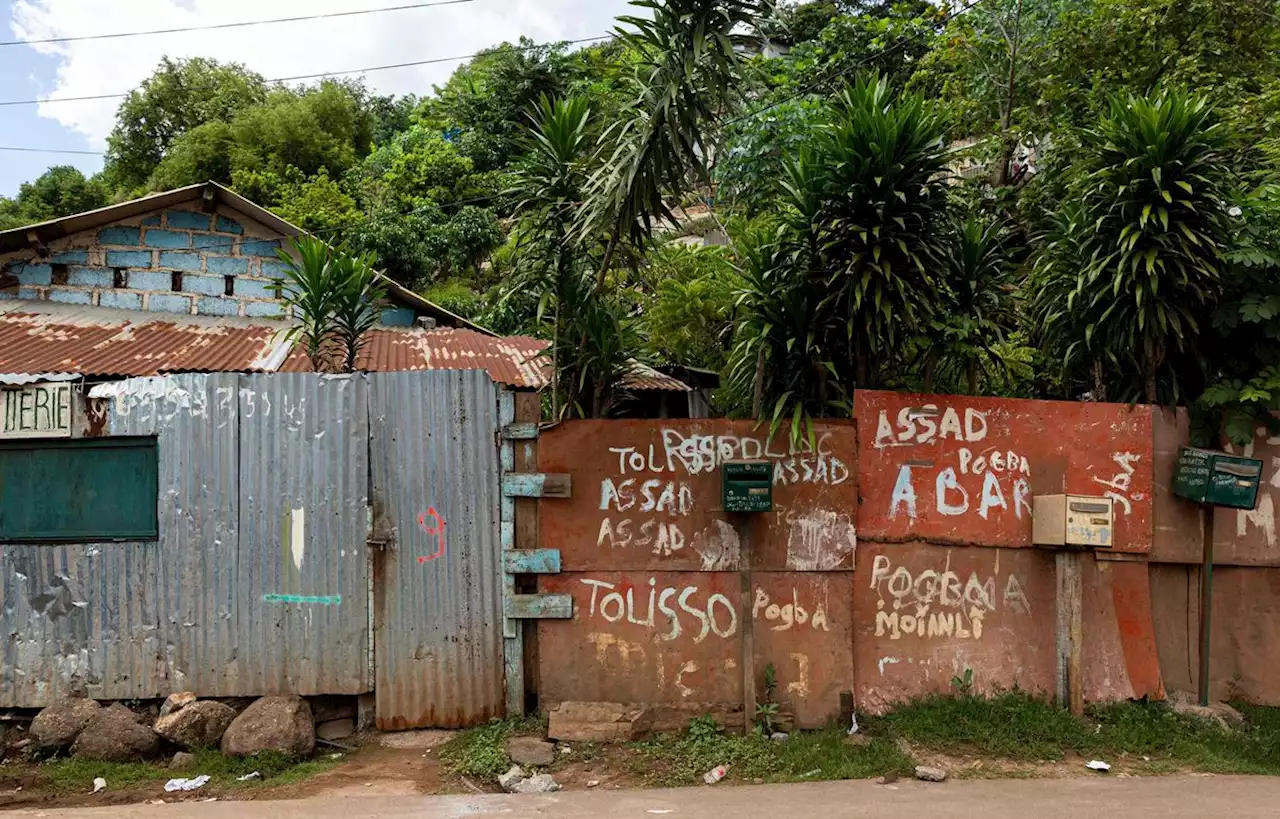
<point>898,556</point>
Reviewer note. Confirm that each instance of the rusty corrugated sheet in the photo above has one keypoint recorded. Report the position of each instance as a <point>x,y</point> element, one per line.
<point>130,344</point>
<point>644,377</point>
<point>439,608</point>
<point>222,604</point>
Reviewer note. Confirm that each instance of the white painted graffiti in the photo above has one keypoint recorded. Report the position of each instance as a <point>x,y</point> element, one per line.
<point>653,496</point>
<point>920,425</point>
<point>787,614</point>
<point>938,604</point>
<point>1120,484</point>
<point>714,615</point>
<point>664,538</point>
<point>951,498</point>
<point>700,454</point>
<point>1264,517</point>
<point>818,540</point>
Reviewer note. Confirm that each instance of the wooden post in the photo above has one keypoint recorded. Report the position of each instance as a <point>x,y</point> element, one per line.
<point>1070,629</point>
<point>1206,602</point>
<point>743,524</point>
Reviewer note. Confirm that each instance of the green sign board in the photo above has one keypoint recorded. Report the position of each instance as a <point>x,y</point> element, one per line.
<point>748,486</point>
<point>1216,478</point>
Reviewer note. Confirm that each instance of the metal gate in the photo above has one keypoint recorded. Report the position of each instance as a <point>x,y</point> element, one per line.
<point>438,586</point>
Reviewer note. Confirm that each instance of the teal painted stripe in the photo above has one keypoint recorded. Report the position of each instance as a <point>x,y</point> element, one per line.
<point>335,600</point>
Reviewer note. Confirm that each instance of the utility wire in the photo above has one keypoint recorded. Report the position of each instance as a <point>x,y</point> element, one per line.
<point>365,70</point>
<point>244,24</point>
<point>50,151</point>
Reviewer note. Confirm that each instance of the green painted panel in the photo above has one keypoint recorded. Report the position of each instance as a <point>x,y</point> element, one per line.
<point>86,490</point>
<point>1217,478</point>
<point>747,486</point>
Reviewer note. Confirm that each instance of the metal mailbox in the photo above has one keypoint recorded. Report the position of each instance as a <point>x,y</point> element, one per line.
<point>1217,479</point>
<point>1073,520</point>
<point>747,486</point>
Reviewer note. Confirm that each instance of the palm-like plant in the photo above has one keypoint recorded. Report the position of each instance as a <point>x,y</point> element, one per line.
<point>307,287</point>
<point>686,77</point>
<point>966,337</point>
<point>1155,196</point>
<point>357,304</point>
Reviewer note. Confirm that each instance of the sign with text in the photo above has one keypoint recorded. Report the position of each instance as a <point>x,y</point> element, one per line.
<point>35,411</point>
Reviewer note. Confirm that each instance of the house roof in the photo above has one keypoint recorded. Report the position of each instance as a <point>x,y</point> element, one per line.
<point>210,195</point>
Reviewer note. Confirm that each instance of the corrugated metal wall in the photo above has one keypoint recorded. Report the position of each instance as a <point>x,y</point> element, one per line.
<point>259,582</point>
<point>439,608</point>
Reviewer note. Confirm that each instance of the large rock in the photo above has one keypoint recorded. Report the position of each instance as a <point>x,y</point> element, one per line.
<point>531,751</point>
<point>198,725</point>
<point>176,702</point>
<point>1226,717</point>
<point>55,728</point>
<point>115,735</point>
<point>597,722</point>
<point>281,724</point>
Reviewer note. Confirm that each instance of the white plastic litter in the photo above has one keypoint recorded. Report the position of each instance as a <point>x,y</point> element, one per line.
<point>99,784</point>
<point>249,776</point>
<point>186,784</point>
<point>1097,765</point>
<point>853,729</point>
<point>714,775</point>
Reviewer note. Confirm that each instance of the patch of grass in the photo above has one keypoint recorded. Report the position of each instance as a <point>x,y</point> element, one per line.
<point>481,752</point>
<point>682,759</point>
<point>1017,726</point>
<point>76,775</point>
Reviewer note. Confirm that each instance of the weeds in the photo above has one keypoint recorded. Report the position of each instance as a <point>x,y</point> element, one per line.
<point>75,775</point>
<point>481,752</point>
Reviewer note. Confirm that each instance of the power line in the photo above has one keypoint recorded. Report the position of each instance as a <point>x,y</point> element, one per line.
<point>49,151</point>
<point>244,24</point>
<point>433,61</point>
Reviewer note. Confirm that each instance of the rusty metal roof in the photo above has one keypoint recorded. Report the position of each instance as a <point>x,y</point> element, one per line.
<point>41,337</point>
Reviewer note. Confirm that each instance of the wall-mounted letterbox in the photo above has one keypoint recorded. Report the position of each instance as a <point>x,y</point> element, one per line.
<point>748,486</point>
<point>1216,478</point>
<point>1072,520</point>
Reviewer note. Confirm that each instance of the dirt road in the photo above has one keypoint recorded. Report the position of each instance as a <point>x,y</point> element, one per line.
<point>1167,798</point>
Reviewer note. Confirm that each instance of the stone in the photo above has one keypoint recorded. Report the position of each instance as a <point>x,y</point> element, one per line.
<point>888,779</point>
<point>115,735</point>
<point>541,783</point>
<point>198,725</point>
<point>56,728</point>
<point>279,723</point>
<point>928,773</point>
<point>511,778</point>
<point>1188,705</point>
<point>531,751</point>
<point>182,760</point>
<point>176,702</point>
<point>336,729</point>
<point>597,722</point>
<point>779,736</point>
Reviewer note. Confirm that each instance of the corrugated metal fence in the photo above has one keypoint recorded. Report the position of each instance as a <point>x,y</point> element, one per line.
<point>261,579</point>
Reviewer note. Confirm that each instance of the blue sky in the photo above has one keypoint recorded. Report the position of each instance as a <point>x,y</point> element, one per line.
<point>25,75</point>
<point>111,66</point>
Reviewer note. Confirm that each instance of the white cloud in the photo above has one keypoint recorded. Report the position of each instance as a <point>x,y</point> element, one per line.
<point>109,66</point>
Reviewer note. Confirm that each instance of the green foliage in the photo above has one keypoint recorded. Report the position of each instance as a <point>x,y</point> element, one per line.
<point>69,776</point>
<point>481,752</point>
<point>316,204</point>
<point>685,299</point>
<point>201,154</point>
<point>60,191</point>
<point>179,96</point>
<point>335,298</point>
<point>1151,230</point>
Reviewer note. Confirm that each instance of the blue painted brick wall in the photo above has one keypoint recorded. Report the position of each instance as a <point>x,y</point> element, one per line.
<point>226,265</point>
<point>188,220</point>
<point>71,296</point>
<point>226,225</point>
<point>259,247</point>
<point>120,299</point>
<point>150,280</point>
<point>120,236</point>
<point>213,242</point>
<point>167,238</point>
<point>211,306</point>
<point>273,270</point>
<point>152,221</point>
<point>205,285</point>
<point>71,257</point>
<point>41,274</point>
<point>90,277</point>
<point>179,260</point>
<point>167,303</point>
<point>397,317</point>
<point>128,258</point>
<point>263,309</point>
<point>254,289</point>
<point>29,293</point>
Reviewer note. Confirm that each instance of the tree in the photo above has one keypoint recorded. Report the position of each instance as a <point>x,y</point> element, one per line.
<point>202,154</point>
<point>685,304</point>
<point>60,191</point>
<point>1154,236</point>
<point>179,95</point>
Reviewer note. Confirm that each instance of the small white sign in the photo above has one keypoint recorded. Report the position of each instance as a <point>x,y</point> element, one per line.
<point>35,411</point>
